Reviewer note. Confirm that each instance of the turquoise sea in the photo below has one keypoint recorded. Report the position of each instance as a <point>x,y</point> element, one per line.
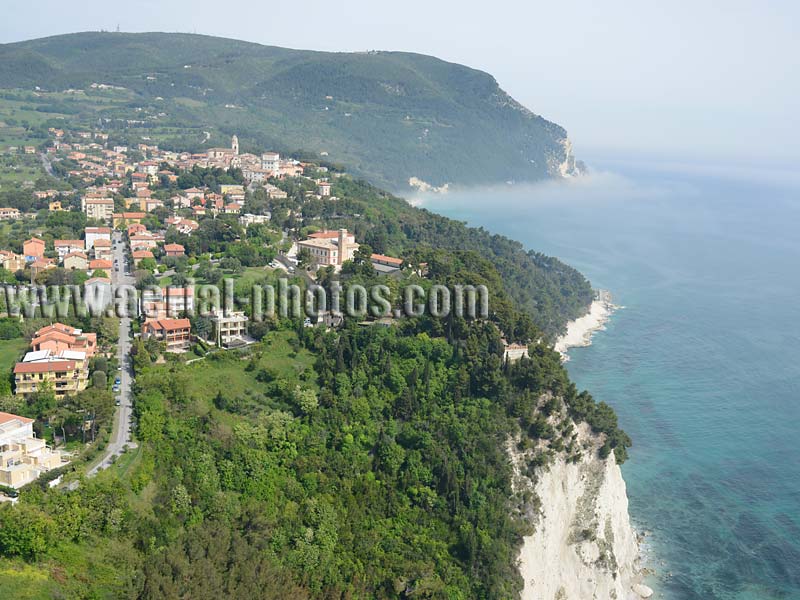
<point>703,362</point>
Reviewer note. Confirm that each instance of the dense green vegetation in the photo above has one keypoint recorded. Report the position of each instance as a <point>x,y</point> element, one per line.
<point>387,115</point>
<point>366,462</point>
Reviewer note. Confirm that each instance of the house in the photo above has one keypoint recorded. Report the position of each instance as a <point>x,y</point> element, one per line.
<point>181,201</point>
<point>58,337</point>
<point>233,208</point>
<point>136,228</point>
<point>99,264</point>
<point>12,262</point>
<point>386,264</point>
<point>76,261</point>
<point>96,233</point>
<point>175,333</point>
<point>100,209</point>
<point>255,174</point>
<point>248,219</point>
<point>139,255</point>
<point>195,194</point>
<point>126,218</point>
<point>175,250</point>
<point>235,193</point>
<point>185,226</point>
<point>230,328</point>
<point>198,211</point>
<point>33,249</point>
<point>324,188</point>
<point>23,456</point>
<point>102,250</point>
<point>275,193</point>
<point>9,213</point>
<point>513,352</point>
<point>55,206</point>
<point>42,264</point>
<point>145,240</point>
<point>64,247</point>
<point>330,248</point>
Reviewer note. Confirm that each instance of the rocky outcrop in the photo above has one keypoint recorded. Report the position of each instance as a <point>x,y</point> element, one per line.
<point>562,163</point>
<point>583,546</point>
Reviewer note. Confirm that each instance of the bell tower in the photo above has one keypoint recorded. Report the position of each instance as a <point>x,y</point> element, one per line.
<point>235,145</point>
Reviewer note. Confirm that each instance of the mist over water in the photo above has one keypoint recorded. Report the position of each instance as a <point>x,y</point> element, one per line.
<point>701,364</point>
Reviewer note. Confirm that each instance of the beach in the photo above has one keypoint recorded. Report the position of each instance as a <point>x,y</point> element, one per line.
<point>579,332</point>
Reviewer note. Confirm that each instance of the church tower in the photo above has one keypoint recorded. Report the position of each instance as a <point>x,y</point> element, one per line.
<point>235,145</point>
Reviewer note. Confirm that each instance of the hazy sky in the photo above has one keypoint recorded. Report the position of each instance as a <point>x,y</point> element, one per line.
<point>718,79</point>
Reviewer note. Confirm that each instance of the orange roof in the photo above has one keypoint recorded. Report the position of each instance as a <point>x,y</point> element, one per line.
<point>57,366</point>
<point>102,243</point>
<point>98,230</point>
<point>142,254</point>
<point>8,417</point>
<point>99,263</point>
<point>387,259</point>
<point>324,235</point>
<point>173,248</point>
<point>58,243</point>
<point>168,324</point>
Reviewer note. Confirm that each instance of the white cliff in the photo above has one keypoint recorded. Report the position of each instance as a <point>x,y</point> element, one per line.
<point>562,163</point>
<point>583,546</point>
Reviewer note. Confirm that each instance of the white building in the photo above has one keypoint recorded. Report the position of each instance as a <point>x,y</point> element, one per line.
<point>96,233</point>
<point>330,248</point>
<point>271,161</point>
<point>230,328</point>
<point>23,457</point>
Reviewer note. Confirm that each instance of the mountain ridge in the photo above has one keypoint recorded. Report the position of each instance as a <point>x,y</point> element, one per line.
<point>388,115</point>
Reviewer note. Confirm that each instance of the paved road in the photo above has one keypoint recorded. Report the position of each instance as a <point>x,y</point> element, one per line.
<point>121,433</point>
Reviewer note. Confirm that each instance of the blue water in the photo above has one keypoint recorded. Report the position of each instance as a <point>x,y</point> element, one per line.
<point>703,362</point>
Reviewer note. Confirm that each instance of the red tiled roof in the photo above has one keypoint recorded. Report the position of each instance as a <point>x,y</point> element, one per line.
<point>387,259</point>
<point>8,417</point>
<point>168,324</point>
<point>57,366</point>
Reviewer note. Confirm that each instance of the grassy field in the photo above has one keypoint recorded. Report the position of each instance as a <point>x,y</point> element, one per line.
<point>22,581</point>
<point>234,374</point>
<point>10,352</point>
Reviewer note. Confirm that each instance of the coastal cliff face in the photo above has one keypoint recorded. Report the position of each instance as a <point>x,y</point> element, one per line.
<point>583,546</point>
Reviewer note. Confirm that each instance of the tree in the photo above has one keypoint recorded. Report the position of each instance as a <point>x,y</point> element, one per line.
<point>304,257</point>
<point>100,380</point>
<point>24,531</point>
<point>306,400</point>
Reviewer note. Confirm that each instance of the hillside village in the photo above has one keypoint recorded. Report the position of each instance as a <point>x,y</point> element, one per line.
<point>152,216</point>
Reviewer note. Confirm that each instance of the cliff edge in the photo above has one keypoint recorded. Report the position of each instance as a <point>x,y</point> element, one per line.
<point>583,546</point>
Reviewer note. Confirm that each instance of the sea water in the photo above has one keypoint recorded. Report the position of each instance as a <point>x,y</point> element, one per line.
<point>702,363</point>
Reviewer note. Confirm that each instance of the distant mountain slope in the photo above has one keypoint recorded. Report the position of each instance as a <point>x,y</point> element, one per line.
<point>389,116</point>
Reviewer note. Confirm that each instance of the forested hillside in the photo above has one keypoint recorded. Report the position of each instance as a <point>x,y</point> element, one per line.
<point>364,462</point>
<point>388,115</point>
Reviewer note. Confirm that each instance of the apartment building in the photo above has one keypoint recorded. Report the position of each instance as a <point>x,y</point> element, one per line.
<point>23,457</point>
<point>230,328</point>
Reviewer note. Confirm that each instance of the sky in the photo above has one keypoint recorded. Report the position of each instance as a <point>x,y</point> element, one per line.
<point>695,79</point>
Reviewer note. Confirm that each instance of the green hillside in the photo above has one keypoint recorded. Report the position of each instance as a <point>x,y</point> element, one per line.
<point>388,115</point>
